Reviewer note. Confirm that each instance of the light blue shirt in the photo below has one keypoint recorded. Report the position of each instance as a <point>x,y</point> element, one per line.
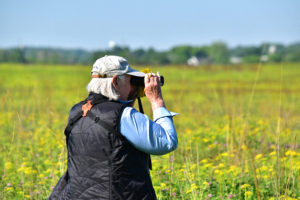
<point>156,137</point>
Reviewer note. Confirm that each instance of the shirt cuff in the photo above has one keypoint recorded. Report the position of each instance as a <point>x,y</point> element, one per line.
<point>162,112</point>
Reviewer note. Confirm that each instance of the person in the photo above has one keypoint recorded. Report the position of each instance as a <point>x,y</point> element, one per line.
<point>109,142</point>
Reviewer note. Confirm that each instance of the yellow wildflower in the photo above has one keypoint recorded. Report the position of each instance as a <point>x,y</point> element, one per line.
<point>263,168</point>
<point>8,165</point>
<point>163,185</point>
<point>261,122</point>
<point>7,189</point>
<point>47,162</point>
<point>193,166</point>
<point>61,146</point>
<point>258,156</point>
<point>205,140</point>
<point>248,193</point>
<point>208,165</point>
<point>225,154</point>
<point>283,159</point>
<point>232,168</point>
<point>221,165</point>
<point>188,191</point>
<point>193,186</point>
<point>188,131</point>
<point>290,153</point>
<point>245,186</point>
<point>20,169</point>
<point>41,183</point>
<point>28,170</point>
<point>219,172</point>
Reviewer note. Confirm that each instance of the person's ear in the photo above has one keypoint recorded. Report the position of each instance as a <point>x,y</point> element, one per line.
<point>114,81</point>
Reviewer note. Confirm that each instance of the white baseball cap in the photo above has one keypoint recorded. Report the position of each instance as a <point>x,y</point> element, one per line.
<point>109,66</point>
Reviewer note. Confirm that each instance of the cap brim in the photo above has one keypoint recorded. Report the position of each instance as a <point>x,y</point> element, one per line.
<point>136,73</point>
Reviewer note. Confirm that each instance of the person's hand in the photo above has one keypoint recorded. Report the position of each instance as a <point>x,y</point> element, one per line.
<point>153,90</point>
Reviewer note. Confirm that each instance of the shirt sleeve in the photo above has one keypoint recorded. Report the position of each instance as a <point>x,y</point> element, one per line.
<point>156,137</point>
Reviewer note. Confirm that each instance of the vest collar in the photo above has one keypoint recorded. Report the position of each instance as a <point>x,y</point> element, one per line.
<point>93,96</point>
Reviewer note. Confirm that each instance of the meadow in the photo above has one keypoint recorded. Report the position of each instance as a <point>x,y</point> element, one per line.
<point>238,130</point>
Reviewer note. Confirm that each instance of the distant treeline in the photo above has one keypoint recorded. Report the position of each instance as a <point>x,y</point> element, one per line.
<point>216,53</point>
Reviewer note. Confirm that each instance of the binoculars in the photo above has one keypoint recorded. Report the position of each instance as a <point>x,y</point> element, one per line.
<point>139,81</point>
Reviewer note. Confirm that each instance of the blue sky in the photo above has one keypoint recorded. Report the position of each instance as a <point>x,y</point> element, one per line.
<point>91,24</point>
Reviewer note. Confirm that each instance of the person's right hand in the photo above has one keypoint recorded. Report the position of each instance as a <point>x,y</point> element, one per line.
<point>153,90</point>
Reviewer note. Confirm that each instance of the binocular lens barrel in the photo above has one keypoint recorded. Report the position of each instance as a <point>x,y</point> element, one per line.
<point>139,81</point>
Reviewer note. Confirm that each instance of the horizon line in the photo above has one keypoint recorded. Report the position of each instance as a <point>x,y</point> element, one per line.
<point>149,47</point>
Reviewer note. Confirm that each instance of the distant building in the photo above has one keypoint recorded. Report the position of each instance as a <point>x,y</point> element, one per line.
<point>112,44</point>
<point>272,49</point>
<point>235,60</point>
<point>264,58</point>
<point>193,61</point>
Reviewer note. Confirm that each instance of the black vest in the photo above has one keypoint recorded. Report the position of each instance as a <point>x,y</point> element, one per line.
<point>102,164</point>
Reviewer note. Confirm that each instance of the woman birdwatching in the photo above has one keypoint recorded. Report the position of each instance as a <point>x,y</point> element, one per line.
<point>109,142</point>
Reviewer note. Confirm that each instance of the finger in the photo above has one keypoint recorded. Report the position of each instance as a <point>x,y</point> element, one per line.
<point>147,78</point>
<point>154,82</point>
<point>152,78</point>
<point>152,74</point>
<point>158,75</point>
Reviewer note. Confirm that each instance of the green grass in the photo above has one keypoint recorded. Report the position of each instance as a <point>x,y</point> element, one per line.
<point>238,130</point>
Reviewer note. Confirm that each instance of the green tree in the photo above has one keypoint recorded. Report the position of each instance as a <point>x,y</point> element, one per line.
<point>219,53</point>
<point>180,54</point>
<point>292,53</point>
<point>251,59</point>
<point>200,52</point>
<point>2,55</point>
<point>241,51</point>
<point>276,57</point>
<point>16,55</point>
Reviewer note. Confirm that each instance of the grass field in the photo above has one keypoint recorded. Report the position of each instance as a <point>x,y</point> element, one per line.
<point>238,129</point>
